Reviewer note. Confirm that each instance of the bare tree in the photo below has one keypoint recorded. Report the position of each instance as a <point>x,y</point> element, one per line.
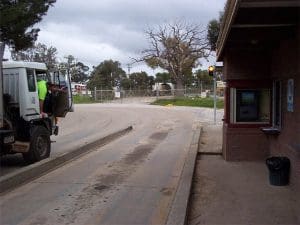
<point>177,48</point>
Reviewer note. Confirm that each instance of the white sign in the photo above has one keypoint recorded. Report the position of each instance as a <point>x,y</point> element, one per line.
<point>290,95</point>
<point>117,94</point>
<point>221,84</point>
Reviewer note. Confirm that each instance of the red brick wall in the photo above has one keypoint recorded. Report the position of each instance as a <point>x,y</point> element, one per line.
<point>246,64</point>
<point>282,63</point>
<point>244,144</point>
<point>286,65</point>
<point>248,69</point>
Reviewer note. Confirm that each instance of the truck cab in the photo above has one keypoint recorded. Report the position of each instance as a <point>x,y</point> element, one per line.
<point>25,129</point>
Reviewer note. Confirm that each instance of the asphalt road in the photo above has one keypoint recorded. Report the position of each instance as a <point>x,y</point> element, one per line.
<point>90,122</point>
<point>86,124</point>
<point>129,181</point>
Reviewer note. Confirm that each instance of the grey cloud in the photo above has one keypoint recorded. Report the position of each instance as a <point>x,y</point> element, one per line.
<point>120,23</point>
<point>135,14</point>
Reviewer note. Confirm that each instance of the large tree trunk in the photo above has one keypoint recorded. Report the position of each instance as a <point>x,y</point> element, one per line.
<point>179,89</point>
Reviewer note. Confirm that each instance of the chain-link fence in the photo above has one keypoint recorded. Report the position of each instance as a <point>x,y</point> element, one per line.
<point>111,95</point>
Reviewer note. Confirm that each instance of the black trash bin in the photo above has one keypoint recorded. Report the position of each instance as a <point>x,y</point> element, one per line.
<point>279,170</point>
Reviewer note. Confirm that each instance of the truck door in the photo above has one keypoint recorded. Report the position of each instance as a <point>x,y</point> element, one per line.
<point>30,103</point>
<point>62,99</point>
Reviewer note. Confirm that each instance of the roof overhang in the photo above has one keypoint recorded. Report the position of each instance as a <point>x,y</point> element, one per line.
<point>248,23</point>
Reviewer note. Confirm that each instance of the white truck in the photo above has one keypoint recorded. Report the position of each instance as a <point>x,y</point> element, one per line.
<point>23,129</point>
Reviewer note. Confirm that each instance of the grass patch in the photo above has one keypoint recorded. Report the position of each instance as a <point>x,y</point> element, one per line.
<point>81,99</point>
<point>193,102</point>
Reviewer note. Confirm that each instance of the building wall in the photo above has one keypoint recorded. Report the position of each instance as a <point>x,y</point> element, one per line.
<point>246,64</point>
<point>250,143</point>
<point>244,69</point>
<point>286,65</point>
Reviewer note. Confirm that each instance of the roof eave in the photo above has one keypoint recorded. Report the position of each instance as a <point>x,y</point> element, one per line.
<point>229,14</point>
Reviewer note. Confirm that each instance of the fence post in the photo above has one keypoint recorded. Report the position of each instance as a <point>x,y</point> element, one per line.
<point>95,94</point>
<point>215,101</point>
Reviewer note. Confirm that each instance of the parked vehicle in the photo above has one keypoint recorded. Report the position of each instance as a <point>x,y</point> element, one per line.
<point>80,88</point>
<point>23,129</point>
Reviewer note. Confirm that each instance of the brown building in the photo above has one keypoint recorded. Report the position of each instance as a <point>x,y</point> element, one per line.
<point>259,45</point>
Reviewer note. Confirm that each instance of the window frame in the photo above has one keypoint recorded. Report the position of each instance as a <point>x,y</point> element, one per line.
<point>277,104</point>
<point>234,105</point>
<point>31,86</point>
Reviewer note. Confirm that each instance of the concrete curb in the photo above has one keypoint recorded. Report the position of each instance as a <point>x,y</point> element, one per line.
<point>22,176</point>
<point>178,212</point>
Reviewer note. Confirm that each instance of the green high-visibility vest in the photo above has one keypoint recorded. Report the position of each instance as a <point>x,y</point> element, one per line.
<point>42,89</point>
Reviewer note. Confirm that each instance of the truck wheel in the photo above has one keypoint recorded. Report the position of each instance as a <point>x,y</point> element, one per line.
<point>39,145</point>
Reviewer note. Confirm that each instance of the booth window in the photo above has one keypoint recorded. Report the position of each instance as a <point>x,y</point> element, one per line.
<point>250,105</point>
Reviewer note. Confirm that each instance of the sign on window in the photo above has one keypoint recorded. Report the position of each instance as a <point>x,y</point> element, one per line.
<point>290,95</point>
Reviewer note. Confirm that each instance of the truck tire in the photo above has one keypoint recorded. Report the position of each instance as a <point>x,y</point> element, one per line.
<point>40,145</point>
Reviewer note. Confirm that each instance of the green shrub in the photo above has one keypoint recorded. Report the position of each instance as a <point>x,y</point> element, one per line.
<point>193,102</point>
<point>80,99</point>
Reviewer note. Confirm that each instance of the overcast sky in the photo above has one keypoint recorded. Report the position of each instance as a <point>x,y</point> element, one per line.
<point>96,30</point>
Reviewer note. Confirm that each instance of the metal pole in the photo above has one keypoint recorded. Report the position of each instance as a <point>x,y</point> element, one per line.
<point>95,94</point>
<point>2,46</point>
<point>129,67</point>
<point>215,101</point>
<point>201,88</point>
<point>111,75</point>
<point>121,96</point>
